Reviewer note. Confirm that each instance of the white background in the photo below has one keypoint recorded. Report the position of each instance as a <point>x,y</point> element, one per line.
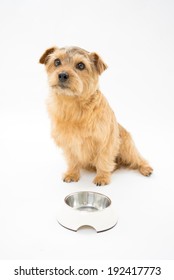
<point>136,40</point>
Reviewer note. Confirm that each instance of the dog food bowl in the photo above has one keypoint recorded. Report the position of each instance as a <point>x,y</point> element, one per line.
<point>87,209</point>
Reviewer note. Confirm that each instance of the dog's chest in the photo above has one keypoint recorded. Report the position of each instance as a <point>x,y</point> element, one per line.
<point>78,139</point>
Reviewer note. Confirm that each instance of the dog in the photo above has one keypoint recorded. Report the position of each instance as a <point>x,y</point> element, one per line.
<point>82,122</point>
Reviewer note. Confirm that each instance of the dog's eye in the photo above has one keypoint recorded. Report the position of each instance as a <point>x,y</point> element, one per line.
<point>80,66</point>
<point>57,62</point>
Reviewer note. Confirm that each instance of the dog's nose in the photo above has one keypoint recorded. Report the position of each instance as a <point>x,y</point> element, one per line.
<point>63,76</point>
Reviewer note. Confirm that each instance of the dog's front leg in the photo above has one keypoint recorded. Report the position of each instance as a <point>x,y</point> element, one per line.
<point>73,172</point>
<point>104,167</point>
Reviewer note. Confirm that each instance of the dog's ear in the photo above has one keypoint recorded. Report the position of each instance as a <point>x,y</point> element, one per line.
<point>45,57</point>
<point>98,62</point>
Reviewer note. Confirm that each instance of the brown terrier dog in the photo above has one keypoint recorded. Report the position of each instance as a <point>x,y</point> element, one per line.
<point>83,123</point>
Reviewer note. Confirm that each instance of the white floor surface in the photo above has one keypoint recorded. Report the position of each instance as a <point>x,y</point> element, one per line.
<point>136,40</point>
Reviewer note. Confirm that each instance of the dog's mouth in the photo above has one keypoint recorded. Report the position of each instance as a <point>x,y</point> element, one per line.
<point>63,89</point>
<point>63,85</point>
<point>60,85</point>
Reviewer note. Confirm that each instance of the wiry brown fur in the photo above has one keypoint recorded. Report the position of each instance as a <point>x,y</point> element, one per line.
<point>83,123</point>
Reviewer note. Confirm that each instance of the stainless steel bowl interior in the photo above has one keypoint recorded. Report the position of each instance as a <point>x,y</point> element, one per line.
<point>88,201</point>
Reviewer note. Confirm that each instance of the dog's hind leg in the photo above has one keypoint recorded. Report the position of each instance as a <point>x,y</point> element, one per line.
<point>129,155</point>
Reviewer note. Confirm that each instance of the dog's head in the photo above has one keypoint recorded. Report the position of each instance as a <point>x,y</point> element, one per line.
<point>72,70</point>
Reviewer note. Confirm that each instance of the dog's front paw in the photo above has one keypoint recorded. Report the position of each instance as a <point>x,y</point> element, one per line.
<point>101,180</point>
<point>71,177</point>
